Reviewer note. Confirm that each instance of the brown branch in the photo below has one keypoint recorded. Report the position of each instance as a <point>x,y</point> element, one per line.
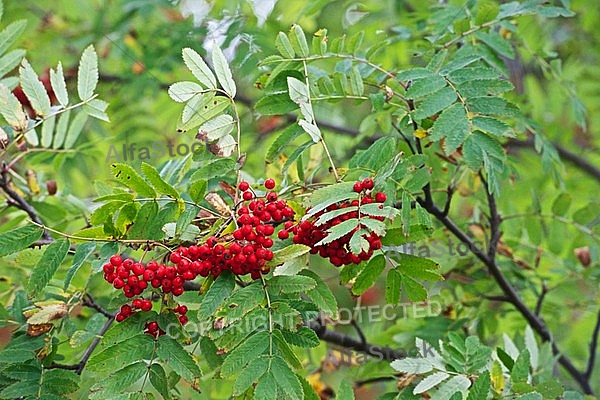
<point>593,348</point>
<point>88,301</point>
<point>348,342</point>
<point>14,199</point>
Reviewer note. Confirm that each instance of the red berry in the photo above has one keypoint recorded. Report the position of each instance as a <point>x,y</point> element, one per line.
<point>116,260</point>
<point>272,197</point>
<point>247,195</point>
<point>152,326</point>
<point>183,310</point>
<point>148,275</point>
<point>243,186</point>
<point>367,183</point>
<point>183,319</point>
<point>128,263</point>
<point>146,305</point>
<point>380,197</point>
<point>177,290</point>
<point>118,283</point>
<point>175,258</point>
<point>270,183</point>
<point>137,303</point>
<point>108,268</point>
<point>120,317</point>
<point>138,268</point>
<point>358,187</point>
<point>283,234</point>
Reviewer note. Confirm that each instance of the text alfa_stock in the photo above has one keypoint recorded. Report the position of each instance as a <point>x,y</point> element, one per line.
<point>157,149</point>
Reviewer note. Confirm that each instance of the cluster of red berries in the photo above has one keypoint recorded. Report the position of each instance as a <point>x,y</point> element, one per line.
<point>338,251</point>
<point>133,277</point>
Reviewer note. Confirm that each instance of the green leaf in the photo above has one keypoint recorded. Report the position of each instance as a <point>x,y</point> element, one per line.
<point>130,178</point>
<point>561,204</point>
<point>201,108</point>
<point>376,156</point>
<point>284,46</point>
<point>286,380</point>
<point>337,231</point>
<point>484,87</point>
<point>182,362</point>
<point>221,288</point>
<point>75,129</point>
<point>491,125</point>
<point>413,289</point>
<point>47,131</point>
<point>119,380</point>
<point>239,304</point>
<point>369,275</point>
<point>435,103</point>
<point>158,379</point>
<point>96,108</point>
<point>396,236</point>
<point>487,12</point>
<point>158,182</point>
<point>412,365</point>
<point>459,63</point>
<point>492,106</point>
<point>210,352</point>
<point>216,128</point>
<point>121,354</point>
<point>550,389</point>
<point>453,125</point>
<point>87,74</point>
<point>59,382</point>
<point>496,43</point>
<point>415,73</point>
<point>57,81</point>
<point>520,370</point>
<point>275,104</point>
<point>61,129</point>
<point>419,268</point>
<point>321,295</point>
<point>214,168</point>
<point>19,239</point>
<point>199,68</point>
<point>250,374</point>
<point>266,388</point>
<point>34,89</point>
<point>431,381</point>
<point>424,87</point>
<point>147,225</point>
<point>10,34</point>
<point>356,82</point>
<point>250,349</point>
<point>478,146</point>
<point>198,190</point>
<point>313,130</point>
<point>481,387</point>
<point>47,265</point>
<point>83,251</point>
<point>284,139</point>
<point>298,40</point>
<point>530,396</point>
<point>222,71</point>
<point>393,286</point>
<point>288,253</point>
<point>284,348</point>
<point>11,109</point>
<point>290,284</point>
<point>184,91</point>
<point>303,337</point>
<point>448,389</point>
<point>322,198</point>
<point>345,392</point>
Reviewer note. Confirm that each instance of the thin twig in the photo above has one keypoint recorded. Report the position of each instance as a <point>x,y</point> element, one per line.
<point>593,347</point>
<point>359,331</point>
<point>540,300</point>
<point>19,202</point>
<point>93,345</point>
<point>88,301</point>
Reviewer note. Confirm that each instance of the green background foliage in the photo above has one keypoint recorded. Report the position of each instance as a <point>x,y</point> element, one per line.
<point>453,100</point>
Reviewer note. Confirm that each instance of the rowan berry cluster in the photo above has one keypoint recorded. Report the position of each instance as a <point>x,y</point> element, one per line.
<point>310,232</point>
<point>134,277</point>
